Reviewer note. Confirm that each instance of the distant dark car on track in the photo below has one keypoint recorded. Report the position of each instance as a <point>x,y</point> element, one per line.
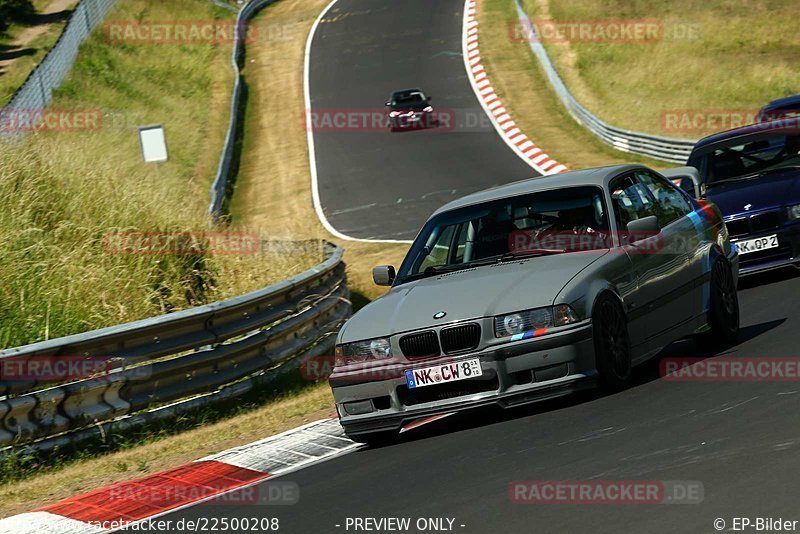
<point>752,174</point>
<point>409,109</point>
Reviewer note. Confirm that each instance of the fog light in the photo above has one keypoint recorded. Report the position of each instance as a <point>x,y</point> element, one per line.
<point>358,407</point>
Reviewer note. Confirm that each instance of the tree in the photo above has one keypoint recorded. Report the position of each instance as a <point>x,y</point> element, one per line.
<point>15,11</point>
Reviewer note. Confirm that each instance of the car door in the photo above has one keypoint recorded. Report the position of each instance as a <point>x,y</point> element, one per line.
<point>659,261</point>
<point>690,234</point>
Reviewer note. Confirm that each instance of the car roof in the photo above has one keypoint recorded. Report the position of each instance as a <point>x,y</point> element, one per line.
<point>597,176</point>
<point>407,92</point>
<point>778,126</point>
<point>793,100</point>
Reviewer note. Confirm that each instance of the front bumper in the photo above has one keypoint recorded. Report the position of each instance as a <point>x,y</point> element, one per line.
<point>514,373</point>
<point>787,254</point>
<point>420,119</point>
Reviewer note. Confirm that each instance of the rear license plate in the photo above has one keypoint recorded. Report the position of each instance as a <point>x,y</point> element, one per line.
<point>439,374</point>
<point>747,246</point>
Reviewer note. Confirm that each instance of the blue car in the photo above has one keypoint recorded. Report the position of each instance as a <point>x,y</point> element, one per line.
<point>783,108</point>
<point>753,175</point>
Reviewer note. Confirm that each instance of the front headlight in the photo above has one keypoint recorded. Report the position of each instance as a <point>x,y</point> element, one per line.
<point>529,321</point>
<point>362,351</point>
<point>794,211</point>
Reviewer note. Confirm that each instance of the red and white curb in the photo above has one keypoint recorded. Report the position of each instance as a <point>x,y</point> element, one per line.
<point>209,478</point>
<point>110,508</point>
<point>502,121</point>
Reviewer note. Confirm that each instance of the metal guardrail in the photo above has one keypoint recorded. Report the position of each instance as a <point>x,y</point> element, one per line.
<point>220,185</point>
<point>165,364</point>
<point>162,366</point>
<point>654,146</point>
<point>36,92</point>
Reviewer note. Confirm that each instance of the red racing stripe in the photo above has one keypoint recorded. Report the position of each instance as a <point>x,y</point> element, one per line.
<point>148,496</point>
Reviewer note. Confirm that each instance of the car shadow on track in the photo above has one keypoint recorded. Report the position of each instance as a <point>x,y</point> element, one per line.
<point>643,374</point>
<point>768,277</point>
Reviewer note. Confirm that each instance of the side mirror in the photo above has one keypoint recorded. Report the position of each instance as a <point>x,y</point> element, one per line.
<point>383,275</point>
<point>430,98</point>
<point>643,228</point>
<point>388,104</point>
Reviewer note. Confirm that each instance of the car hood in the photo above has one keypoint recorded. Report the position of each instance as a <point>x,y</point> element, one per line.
<point>468,294</point>
<point>771,191</point>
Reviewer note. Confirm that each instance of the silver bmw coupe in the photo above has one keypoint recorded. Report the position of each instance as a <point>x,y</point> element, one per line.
<point>532,290</point>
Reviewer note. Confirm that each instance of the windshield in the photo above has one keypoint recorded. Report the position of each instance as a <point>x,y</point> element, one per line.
<point>751,157</point>
<point>408,99</point>
<point>548,222</point>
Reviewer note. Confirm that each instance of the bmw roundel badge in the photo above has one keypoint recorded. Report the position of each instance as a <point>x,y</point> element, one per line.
<point>439,315</point>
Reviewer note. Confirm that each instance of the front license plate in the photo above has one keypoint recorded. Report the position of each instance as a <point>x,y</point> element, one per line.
<point>439,374</point>
<point>747,246</point>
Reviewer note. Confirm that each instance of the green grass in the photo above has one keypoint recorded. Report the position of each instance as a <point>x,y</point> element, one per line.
<point>746,54</point>
<point>521,84</point>
<point>64,191</point>
<point>13,75</point>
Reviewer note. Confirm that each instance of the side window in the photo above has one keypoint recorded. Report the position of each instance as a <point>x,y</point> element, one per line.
<point>631,200</point>
<point>670,203</point>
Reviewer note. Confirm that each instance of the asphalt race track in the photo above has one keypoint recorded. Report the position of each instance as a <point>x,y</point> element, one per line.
<point>378,184</point>
<point>739,440</point>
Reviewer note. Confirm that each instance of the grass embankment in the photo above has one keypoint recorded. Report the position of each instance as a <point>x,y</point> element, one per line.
<point>522,86</point>
<point>64,191</point>
<point>24,44</point>
<point>713,56</point>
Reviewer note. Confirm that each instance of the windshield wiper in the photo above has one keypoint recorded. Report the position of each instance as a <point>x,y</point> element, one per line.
<point>531,252</point>
<point>752,175</point>
<point>441,269</point>
<point>468,265</point>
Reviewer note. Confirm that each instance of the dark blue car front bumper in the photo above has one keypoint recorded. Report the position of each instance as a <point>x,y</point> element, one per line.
<point>786,254</point>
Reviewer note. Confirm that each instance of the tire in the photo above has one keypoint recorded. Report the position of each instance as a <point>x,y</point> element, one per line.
<point>376,439</point>
<point>612,345</point>
<point>723,311</point>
